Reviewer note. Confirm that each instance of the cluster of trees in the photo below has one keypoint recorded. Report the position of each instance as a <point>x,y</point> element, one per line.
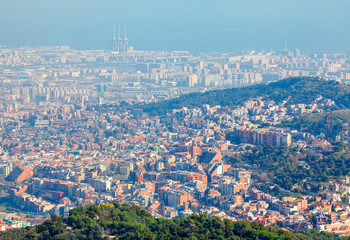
<point>302,90</point>
<point>286,168</point>
<point>131,222</point>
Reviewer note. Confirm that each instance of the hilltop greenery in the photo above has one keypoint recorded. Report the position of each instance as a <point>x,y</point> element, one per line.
<point>288,167</point>
<point>329,123</point>
<point>115,221</point>
<point>302,90</point>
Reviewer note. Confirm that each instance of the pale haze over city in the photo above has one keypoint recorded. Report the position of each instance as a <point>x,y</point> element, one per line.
<point>195,25</point>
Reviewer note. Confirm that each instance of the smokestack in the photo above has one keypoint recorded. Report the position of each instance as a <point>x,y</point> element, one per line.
<point>125,32</point>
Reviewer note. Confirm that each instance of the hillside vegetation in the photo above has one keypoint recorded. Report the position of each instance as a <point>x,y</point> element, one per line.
<point>289,168</point>
<point>302,90</point>
<point>115,221</point>
<point>329,123</point>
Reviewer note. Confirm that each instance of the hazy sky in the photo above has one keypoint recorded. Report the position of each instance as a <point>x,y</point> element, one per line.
<point>204,25</point>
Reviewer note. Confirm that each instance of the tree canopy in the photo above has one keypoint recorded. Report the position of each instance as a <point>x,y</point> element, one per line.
<point>123,221</point>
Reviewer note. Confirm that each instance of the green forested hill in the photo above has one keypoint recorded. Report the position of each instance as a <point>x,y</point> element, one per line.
<point>302,90</point>
<point>115,221</point>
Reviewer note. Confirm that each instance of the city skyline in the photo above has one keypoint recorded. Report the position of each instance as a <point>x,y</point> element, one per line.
<point>116,115</point>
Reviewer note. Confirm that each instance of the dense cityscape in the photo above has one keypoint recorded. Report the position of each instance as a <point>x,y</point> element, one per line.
<point>70,135</point>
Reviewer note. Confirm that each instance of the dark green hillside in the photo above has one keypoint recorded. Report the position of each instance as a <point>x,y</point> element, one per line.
<point>115,221</point>
<point>302,90</point>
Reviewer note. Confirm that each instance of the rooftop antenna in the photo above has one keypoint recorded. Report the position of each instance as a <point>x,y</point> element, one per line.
<point>285,45</point>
